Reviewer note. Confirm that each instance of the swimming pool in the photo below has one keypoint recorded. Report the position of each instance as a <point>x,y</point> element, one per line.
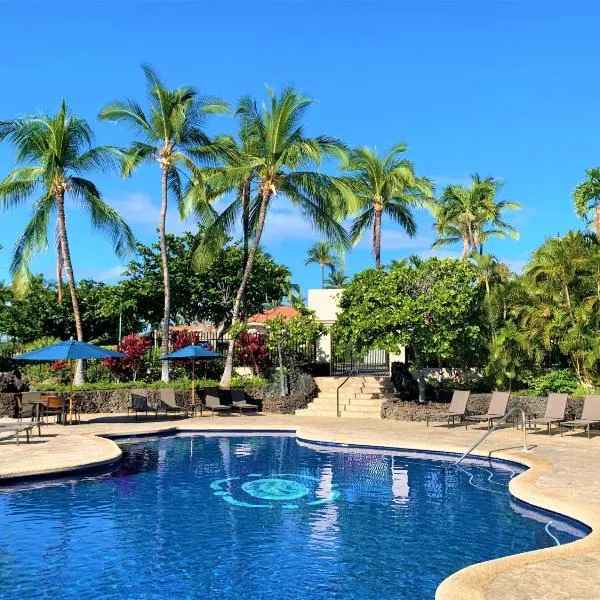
<point>256,517</point>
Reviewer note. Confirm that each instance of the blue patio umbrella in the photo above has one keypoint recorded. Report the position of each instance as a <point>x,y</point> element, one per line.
<point>69,350</point>
<point>194,352</point>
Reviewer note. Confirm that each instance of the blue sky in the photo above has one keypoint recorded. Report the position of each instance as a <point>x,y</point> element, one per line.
<point>503,88</point>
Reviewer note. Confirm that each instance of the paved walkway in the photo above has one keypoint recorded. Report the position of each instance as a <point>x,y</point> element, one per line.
<point>564,476</point>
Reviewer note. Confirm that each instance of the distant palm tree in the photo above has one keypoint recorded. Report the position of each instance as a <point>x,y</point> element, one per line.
<point>52,152</point>
<point>171,136</point>
<point>471,215</point>
<point>381,186</point>
<point>280,155</point>
<point>587,198</point>
<point>486,266</point>
<point>321,253</point>
<point>336,280</point>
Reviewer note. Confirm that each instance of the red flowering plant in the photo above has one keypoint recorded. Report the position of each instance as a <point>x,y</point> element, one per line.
<point>251,351</point>
<point>134,346</point>
<point>61,370</point>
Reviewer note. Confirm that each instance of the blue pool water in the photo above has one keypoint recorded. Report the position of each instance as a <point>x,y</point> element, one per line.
<point>261,517</point>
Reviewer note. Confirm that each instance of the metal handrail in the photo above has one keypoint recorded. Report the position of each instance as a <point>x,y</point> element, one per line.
<point>337,393</point>
<point>492,429</point>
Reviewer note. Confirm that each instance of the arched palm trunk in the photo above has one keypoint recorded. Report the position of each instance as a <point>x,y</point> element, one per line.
<point>322,275</point>
<point>597,222</point>
<point>165,269</point>
<point>245,224</point>
<point>378,208</point>
<point>262,213</point>
<point>66,259</point>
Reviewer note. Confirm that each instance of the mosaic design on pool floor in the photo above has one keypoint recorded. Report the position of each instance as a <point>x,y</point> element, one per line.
<point>286,490</point>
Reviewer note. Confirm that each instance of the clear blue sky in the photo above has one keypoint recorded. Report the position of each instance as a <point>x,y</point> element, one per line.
<point>503,88</point>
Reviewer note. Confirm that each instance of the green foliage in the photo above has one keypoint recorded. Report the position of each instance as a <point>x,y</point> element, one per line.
<point>555,380</point>
<point>198,297</point>
<point>510,356</point>
<point>37,372</point>
<point>435,307</point>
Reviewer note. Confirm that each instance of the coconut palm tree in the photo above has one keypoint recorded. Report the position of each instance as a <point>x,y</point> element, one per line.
<point>171,135</point>
<point>487,270</point>
<point>321,253</point>
<point>586,197</point>
<point>280,154</point>
<point>471,215</point>
<point>337,279</point>
<point>52,153</point>
<point>383,186</point>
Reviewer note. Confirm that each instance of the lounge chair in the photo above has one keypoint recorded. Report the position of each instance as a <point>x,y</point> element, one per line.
<point>457,408</point>
<point>213,403</point>
<point>139,402</point>
<point>590,415</point>
<point>555,411</point>
<point>238,401</point>
<point>18,428</point>
<point>168,403</point>
<point>496,410</point>
<point>29,408</point>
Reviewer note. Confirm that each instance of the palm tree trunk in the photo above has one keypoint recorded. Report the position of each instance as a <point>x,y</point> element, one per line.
<point>377,235</point>
<point>322,275</point>
<point>465,250</point>
<point>66,258</point>
<point>597,222</point>
<point>165,269</point>
<point>262,213</point>
<point>246,218</point>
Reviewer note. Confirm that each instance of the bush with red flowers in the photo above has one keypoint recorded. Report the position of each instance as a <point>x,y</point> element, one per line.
<point>134,346</point>
<point>251,351</point>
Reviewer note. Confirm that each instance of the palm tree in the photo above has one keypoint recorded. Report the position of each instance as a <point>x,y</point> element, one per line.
<point>52,152</point>
<point>280,155</point>
<point>171,135</point>
<point>321,253</point>
<point>486,266</point>
<point>381,186</point>
<point>471,215</point>
<point>586,197</point>
<point>336,280</point>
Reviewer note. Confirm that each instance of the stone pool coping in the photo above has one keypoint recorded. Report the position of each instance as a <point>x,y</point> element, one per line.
<point>562,477</point>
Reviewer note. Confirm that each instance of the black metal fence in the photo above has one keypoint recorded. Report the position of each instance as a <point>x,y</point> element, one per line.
<point>348,360</point>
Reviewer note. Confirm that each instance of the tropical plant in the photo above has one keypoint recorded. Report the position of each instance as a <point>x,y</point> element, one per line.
<point>322,254</point>
<point>586,197</point>
<point>383,186</point>
<point>134,347</point>
<point>471,215</point>
<point>171,135</point>
<point>337,279</point>
<point>511,355</point>
<point>280,156</point>
<point>52,152</point>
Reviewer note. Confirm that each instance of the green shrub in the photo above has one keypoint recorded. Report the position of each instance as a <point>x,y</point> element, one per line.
<point>555,380</point>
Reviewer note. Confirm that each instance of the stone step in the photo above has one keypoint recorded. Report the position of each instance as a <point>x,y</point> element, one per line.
<point>359,402</point>
<point>346,395</point>
<point>303,412</point>
<point>360,415</point>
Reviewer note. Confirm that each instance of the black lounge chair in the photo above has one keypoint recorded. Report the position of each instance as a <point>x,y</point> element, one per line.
<point>590,415</point>
<point>212,402</point>
<point>168,403</point>
<point>555,411</point>
<point>457,408</point>
<point>139,403</point>
<point>496,410</point>
<point>238,401</point>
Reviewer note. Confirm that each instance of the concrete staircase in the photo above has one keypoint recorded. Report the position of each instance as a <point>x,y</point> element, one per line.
<point>360,397</point>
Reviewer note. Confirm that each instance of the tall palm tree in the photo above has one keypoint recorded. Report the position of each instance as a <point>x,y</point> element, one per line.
<point>487,268</point>
<point>171,135</point>
<point>381,186</point>
<point>337,279</point>
<point>280,154</point>
<point>586,197</point>
<point>321,253</point>
<point>52,152</point>
<point>471,215</point>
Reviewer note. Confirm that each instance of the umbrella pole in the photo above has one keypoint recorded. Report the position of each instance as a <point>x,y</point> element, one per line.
<point>194,386</point>
<point>72,372</point>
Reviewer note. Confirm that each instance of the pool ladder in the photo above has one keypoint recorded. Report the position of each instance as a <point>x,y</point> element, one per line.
<point>492,429</point>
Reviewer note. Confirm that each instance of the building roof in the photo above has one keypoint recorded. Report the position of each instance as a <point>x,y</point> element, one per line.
<point>196,328</point>
<point>284,312</point>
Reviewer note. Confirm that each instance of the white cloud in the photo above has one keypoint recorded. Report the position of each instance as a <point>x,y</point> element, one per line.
<point>110,273</point>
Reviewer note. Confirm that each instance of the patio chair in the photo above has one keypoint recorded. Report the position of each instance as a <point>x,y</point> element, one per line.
<point>590,415</point>
<point>238,401</point>
<point>168,403</point>
<point>28,406</point>
<point>139,402</point>
<point>555,411</point>
<point>457,408</point>
<point>496,410</point>
<point>17,429</point>
<point>212,402</point>
<point>54,406</point>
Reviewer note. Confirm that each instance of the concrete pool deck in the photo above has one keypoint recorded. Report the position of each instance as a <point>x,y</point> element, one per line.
<point>564,476</point>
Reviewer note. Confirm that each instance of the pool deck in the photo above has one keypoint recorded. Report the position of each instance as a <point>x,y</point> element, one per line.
<point>564,476</point>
